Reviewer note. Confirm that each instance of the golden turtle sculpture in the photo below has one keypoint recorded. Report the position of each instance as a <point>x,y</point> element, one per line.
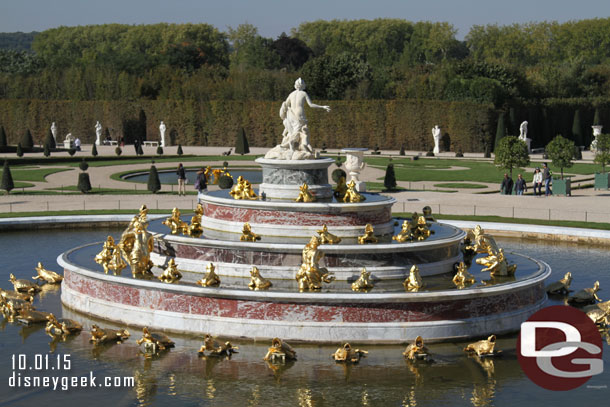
<point>49,276</point>
<point>24,286</point>
<point>483,347</point>
<point>62,326</point>
<point>106,335</point>
<point>16,295</point>
<point>586,296</point>
<point>280,350</point>
<point>562,286</point>
<point>216,349</point>
<point>156,340</point>
<point>347,354</point>
<point>416,350</point>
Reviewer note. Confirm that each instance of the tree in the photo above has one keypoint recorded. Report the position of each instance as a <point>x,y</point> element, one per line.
<point>139,150</point>
<point>293,52</point>
<point>49,140</point>
<point>179,150</point>
<point>560,150</point>
<point>511,153</point>
<point>154,184</point>
<point>7,179</point>
<point>389,181</point>
<point>159,150</point>
<point>602,155</point>
<point>577,133</point>
<point>84,183</point>
<point>47,150</point>
<point>500,129</point>
<point>3,140</point>
<point>329,77</point>
<point>19,150</point>
<point>27,141</point>
<point>94,150</point>
<point>241,145</point>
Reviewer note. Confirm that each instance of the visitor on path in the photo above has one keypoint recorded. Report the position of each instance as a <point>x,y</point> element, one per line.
<point>547,177</point>
<point>506,188</point>
<point>537,181</point>
<point>520,185</point>
<point>201,184</point>
<point>181,180</point>
<point>77,144</point>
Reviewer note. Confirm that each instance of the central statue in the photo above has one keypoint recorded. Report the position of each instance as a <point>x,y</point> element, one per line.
<point>295,142</point>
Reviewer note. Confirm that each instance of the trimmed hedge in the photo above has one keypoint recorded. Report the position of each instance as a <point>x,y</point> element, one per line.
<point>351,123</point>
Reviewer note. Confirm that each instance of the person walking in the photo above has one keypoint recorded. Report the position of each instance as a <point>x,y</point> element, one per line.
<point>537,181</point>
<point>201,183</point>
<point>547,177</point>
<point>181,180</point>
<point>520,185</point>
<point>506,188</point>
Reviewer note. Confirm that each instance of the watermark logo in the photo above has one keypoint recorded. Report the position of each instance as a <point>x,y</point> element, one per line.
<point>560,348</point>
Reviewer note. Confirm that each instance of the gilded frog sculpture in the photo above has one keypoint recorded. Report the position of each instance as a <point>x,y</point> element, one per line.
<point>104,257</point>
<point>363,283</point>
<point>247,235</point>
<point>369,235</point>
<point>414,281</point>
<point>171,273</point>
<point>463,278</point>
<point>211,279</point>
<point>305,195</point>
<point>340,190</point>
<point>257,282</point>
<point>326,237</point>
<point>484,347</point>
<point>175,223</point>
<point>498,266</point>
<point>421,231</point>
<point>352,195</point>
<point>405,234</point>
<point>136,247</point>
<point>195,229</point>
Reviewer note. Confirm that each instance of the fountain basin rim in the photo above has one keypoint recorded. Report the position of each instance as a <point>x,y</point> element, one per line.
<point>537,277</point>
<point>295,164</point>
<point>328,207</point>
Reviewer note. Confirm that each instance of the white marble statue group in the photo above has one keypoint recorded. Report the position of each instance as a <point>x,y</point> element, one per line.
<point>295,138</point>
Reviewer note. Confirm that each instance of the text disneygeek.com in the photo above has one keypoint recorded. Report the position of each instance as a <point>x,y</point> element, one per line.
<point>23,364</point>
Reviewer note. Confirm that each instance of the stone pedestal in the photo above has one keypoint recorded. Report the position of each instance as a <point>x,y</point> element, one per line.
<point>528,141</point>
<point>282,179</point>
<point>354,164</point>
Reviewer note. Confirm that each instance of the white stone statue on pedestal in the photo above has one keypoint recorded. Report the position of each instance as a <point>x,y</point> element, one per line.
<point>436,134</point>
<point>523,136</point>
<point>54,132</point>
<point>98,133</point>
<point>162,129</point>
<point>597,130</point>
<point>295,142</point>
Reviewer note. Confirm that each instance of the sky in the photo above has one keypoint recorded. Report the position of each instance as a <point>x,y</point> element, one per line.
<point>272,17</point>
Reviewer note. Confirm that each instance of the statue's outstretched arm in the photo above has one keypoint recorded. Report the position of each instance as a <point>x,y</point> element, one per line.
<point>314,106</point>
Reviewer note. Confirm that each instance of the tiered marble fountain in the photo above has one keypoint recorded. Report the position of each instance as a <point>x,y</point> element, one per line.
<point>386,313</point>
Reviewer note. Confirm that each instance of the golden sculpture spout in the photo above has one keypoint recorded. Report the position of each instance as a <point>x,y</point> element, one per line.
<point>171,273</point>
<point>326,237</point>
<point>305,195</point>
<point>280,351</point>
<point>369,235</point>
<point>414,282</point>
<point>352,195</point>
<point>99,335</point>
<point>463,278</point>
<point>406,234</point>
<point>310,275</point>
<point>363,283</point>
<point>416,350</point>
<point>257,282</point>
<point>243,190</point>
<point>347,354</point>
<point>211,279</point>
<point>175,224</point>
<point>247,235</point>
<point>24,286</point>
<point>216,349</point>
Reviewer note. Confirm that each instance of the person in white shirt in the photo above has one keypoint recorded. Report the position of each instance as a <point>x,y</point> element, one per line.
<point>537,181</point>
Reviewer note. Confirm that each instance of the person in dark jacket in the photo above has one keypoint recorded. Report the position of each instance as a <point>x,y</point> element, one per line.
<point>506,188</point>
<point>201,183</point>
<point>520,185</point>
<point>547,178</point>
<point>181,180</point>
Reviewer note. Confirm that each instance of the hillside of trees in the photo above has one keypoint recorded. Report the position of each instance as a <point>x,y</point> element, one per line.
<point>540,72</point>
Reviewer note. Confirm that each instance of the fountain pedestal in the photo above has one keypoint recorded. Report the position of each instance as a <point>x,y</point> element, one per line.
<point>283,178</point>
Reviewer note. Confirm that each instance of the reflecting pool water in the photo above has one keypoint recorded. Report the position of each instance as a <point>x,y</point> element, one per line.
<point>180,377</point>
<point>170,177</point>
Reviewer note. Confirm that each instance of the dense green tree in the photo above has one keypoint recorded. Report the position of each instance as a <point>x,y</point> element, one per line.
<point>47,150</point>
<point>329,77</point>
<point>250,50</point>
<point>27,142</point>
<point>94,150</point>
<point>560,150</point>
<point>3,139</point>
<point>602,153</point>
<point>154,184</point>
<point>7,179</point>
<point>241,144</point>
<point>511,153</point>
<point>49,140</point>
<point>389,180</point>
<point>292,52</point>
<point>179,150</point>
<point>19,150</point>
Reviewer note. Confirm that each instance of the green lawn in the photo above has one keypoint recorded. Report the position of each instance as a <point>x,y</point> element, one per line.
<point>435,169</point>
<point>113,191</point>
<point>34,175</point>
<point>173,159</point>
<point>460,185</point>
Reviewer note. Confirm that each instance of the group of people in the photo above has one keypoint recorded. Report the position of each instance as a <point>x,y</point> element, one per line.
<point>541,177</point>
<point>201,182</point>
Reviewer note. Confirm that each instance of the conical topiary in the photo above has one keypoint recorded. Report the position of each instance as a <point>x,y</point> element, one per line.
<point>19,150</point>
<point>241,145</point>
<point>84,183</point>
<point>3,140</point>
<point>49,140</point>
<point>139,150</point>
<point>94,150</point>
<point>500,129</point>
<point>118,151</point>
<point>596,121</point>
<point>577,133</point>
<point>72,151</point>
<point>7,179</point>
<point>27,142</point>
<point>159,150</point>
<point>47,150</point>
<point>389,181</point>
<point>154,184</point>
<point>402,150</point>
<point>179,150</point>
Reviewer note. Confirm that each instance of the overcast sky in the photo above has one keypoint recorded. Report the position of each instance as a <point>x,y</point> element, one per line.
<point>272,17</point>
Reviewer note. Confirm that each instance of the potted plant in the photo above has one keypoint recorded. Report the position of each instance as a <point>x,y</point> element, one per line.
<point>602,156</point>
<point>561,151</point>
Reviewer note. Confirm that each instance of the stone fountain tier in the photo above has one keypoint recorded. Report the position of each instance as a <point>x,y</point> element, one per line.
<point>387,262</point>
<point>285,221</point>
<point>327,316</point>
<point>282,178</point>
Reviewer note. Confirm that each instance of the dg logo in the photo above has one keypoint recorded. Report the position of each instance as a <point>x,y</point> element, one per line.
<point>560,348</point>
